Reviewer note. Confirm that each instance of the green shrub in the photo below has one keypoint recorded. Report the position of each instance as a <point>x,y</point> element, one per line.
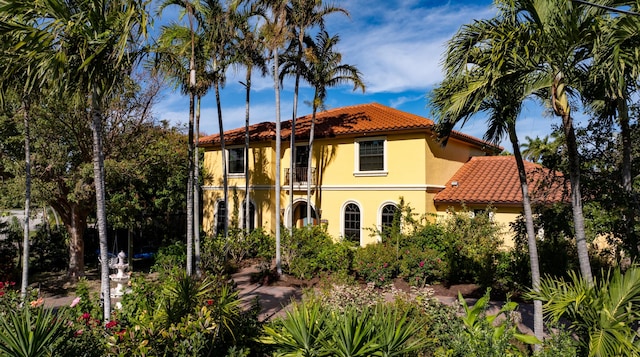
<point>376,263</point>
<point>421,266</point>
<point>471,245</point>
<point>170,259</point>
<point>308,252</point>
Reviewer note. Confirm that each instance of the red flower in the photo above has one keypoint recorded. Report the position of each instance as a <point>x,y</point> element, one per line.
<point>86,316</point>
<point>210,302</point>
<point>1,293</point>
<point>421,264</point>
<point>111,324</point>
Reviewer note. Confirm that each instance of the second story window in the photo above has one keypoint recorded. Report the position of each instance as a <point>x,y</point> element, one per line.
<point>236,161</point>
<point>371,156</point>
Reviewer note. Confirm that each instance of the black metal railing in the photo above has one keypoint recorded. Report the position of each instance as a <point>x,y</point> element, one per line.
<point>300,176</point>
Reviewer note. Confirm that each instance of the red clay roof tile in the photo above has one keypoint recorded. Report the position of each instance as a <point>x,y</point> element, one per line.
<point>494,180</point>
<point>345,121</point>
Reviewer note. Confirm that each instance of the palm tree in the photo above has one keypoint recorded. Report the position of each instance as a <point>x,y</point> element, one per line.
<point>87,48</point>
<point>613,76</point>
<point>476,82</point>
<point>324,69</point>
<point>275,34</point>
<point>248,51</point>
<point>219,32</point>
<point>564,35</point>
<point>15,77</point>
<point>303,14</point>
<point>176,57</point>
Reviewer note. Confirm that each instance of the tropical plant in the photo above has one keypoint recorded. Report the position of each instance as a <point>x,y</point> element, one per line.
<point>300,332</point>
<point>602,313</point>
<point>179,49</point>
<point>25,334</point>
<point>487,73</point>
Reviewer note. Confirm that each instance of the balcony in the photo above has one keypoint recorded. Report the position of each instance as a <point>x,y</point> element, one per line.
<point>300,179</point>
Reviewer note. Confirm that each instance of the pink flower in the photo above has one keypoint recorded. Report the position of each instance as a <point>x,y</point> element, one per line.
<point>75,302</point>
<point>421,264</point>
<point>78,333</point>
<point>86,316</point>
<point>385,265</point>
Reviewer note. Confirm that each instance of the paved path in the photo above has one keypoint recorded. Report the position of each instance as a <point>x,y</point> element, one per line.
<point>274,299</point>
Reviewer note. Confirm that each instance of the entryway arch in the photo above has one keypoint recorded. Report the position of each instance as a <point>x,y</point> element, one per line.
<point>299,214</point>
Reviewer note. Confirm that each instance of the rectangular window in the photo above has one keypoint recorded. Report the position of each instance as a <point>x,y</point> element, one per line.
<point>371,155</point>
<point>236,161</point>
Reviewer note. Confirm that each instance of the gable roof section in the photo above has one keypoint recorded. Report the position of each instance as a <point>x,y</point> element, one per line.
<point>363,119</point>
<point>494,180</point>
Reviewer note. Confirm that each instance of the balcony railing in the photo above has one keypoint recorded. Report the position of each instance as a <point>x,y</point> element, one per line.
<point>300,176</point>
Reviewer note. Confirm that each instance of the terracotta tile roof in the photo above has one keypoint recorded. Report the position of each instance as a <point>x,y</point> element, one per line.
<point>353,120</point>
<point>494,180</point>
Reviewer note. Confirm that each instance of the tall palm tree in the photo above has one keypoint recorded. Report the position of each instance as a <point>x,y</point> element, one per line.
<point>17,77</point>
<point>178,52</point>
<point>613,82</point>
<point>323,68</point>
<point>248,51</point>
<point>565,36</point>
<point>303,14</point>
<point>275,34</point>
<point>476,82</point>
<point>87,47</point>
<point>219,32</point>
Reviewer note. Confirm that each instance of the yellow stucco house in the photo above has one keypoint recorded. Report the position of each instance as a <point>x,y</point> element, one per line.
<point>365,157</point>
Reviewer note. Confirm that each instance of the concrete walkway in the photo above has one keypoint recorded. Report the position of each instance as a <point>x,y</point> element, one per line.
<point>274,299</point>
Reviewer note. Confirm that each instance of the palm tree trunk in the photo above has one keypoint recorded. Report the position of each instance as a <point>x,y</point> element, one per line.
<point>190,186</point>
<point>101,213</point>
<point>196,190</point>
<point>190,169</point>
<point>576,198</point>
<point>27,203</point>
<point>538,326</point>
<point>247,197</point>
<point>627,180</point>
<point>310,162</point>
<point>225,179</point>
<point>278,149</point>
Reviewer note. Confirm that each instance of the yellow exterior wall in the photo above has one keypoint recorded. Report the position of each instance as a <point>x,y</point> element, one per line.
<point>503,217</point>
<point>417,167</point>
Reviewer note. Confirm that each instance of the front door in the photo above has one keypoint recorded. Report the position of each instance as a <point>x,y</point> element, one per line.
<point>300,215</point>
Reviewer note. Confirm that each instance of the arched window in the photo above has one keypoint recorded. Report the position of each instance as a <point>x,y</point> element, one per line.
<point>352,222</point>
<point>387,217</point>
<point>252,216</point>
<point>220,217</point>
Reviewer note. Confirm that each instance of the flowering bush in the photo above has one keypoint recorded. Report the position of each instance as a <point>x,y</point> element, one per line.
<point>420,267</point>
<point>376,263</point>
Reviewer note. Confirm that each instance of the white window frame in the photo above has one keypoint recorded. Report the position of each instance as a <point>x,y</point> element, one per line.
<point>342,222</point>
<point>385,155</point>
<point>244,158</point>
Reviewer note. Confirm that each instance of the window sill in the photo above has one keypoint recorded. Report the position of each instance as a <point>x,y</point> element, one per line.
<point>240,175</point>
<point>370,173</point>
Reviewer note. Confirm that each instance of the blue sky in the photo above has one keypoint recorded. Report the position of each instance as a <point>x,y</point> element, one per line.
<point>396,44</point>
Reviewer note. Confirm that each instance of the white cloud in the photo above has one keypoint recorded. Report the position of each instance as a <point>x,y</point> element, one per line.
<point>398,45</point>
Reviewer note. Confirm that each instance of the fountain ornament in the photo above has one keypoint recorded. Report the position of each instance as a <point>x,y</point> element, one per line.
<point>120,278</point>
